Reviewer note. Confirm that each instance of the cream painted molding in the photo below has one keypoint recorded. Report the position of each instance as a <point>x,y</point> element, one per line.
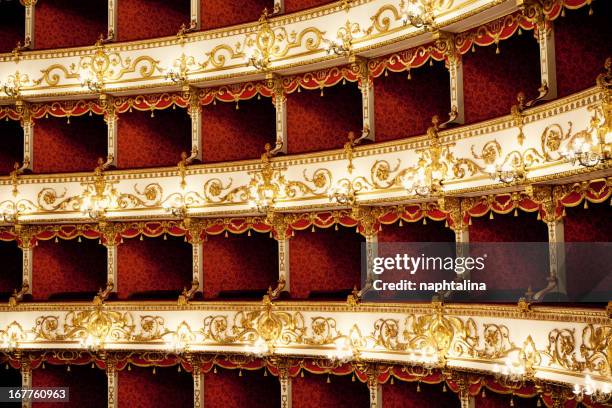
<point>568,343</point>
<point>300,45</point>
<point>222,188</point>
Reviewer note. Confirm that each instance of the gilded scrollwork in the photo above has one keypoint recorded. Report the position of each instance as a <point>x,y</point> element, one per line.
<point>102,64</point>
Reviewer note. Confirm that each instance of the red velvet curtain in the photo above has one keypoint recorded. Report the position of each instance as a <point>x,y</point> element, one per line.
<point>317,122</point>
<point>491,81</point>
<point>60,146</point>
<point>11,145</point>
<point>153,265</point>
<point>227,388</point>
<point>12,22</point>
<point>87,386</point>
<point>68,267</point>
<point>140,19</point>
<point>11,261</point>
<point>69,23</point>
<point>404,107</point>
<point>153,141</point>
<point>324,261</point>
<point>405,395</point>
<point>236,134</point>
<point>239,263</point>
<point>313,391</point>
<point>140,388</point>
<point>582,43</point>
<point>223,13</point>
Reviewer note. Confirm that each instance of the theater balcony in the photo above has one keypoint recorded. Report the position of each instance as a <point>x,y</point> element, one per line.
<point>306,203</point>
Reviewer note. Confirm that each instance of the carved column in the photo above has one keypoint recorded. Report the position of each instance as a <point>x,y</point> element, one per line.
<point>279,99</point>
<point>27,124</point>
<point>198,385</point>
<point>556,241</point>
<point>280,225</point>
<point>446,43</point>
<point>197,250</point>
<point>195,228</point>
<point>25,235</point>
<point>26,379</point>
<point>195,20</point>
<point>30,6</point>
<point>466,400</point>
<point>112,384</point>
<point>195,113</point>
<point>366,85</point>
<point>462,234</point>
<point>368,221</point>
<point>112,19</point>
<point>374,387</point>
<point>546,41</point>
<point>110,233</point>
<point>285,385</point>
<point>111,118</point>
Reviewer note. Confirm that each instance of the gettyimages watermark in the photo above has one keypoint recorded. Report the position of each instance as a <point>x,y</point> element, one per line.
<point>487,272</point>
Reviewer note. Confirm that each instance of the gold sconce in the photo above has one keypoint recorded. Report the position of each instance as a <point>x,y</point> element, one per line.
<point>342,45</point>
<point>11,337</point>
<point>94,68</point>
<point>258,51</point>
<point>512,170</point>
<point>345,190</point>
<point>599,395</point>
<point>593,147</point>
<point>433,165</point>
<point>14,83</point>
<point>99,196</point>
<point>177,203</point>
<point>267,185</point>
<point>179,341</point>
<point>420,13</point>
<point>179,72</point>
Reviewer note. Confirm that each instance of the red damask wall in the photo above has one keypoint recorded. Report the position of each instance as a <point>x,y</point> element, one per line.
<point>139,19</point>
<point>235,134</point>
<point>10,259</point>
<point>87,386</point>
<point>145,141</point>
<point>223,13</point>
<point>227,389</point>
<point>324,261</point>
<point>313,391</point>
<point>11,145</point>
<point>153,267</point>
<point>317,122</point>
<point>582,43</point>
<point>587,272</point>
<point>492,400</point>
<point>12,18</point>
<point>491,81</point>
<point>404,107</point>
<point>68,268</point>
<point>62,147</point>
<point>296,5</point>
<point>405,395</point>
<point>239,263</point>
<point>69,23</point>
<point>140,388</point>
<point>509,269</point>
